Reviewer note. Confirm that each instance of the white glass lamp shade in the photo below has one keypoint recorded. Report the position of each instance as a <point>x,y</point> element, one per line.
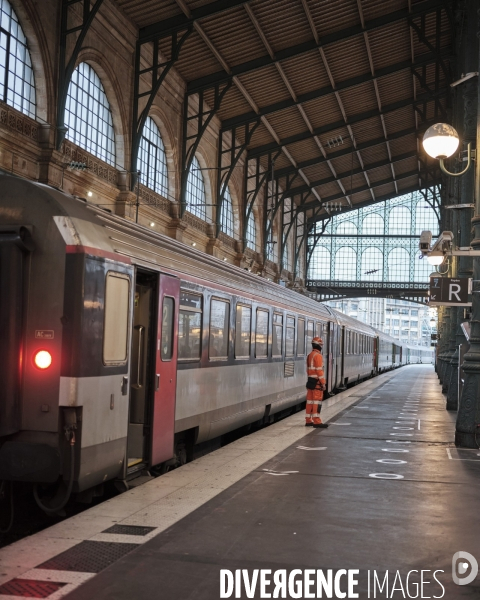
<point>440,140</point>
<point>436,258</point>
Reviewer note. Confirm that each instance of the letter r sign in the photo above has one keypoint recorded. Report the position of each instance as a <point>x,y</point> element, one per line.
<point>454,290</point>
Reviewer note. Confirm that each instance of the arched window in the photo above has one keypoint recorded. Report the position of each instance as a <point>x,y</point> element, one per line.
<point>226,217</point>
<point>373,225</point>
<point>88,116</point>
<point>400,221</point>
<point>270,243</point>
<point>286,257</point>
<point>372,265</point>
<point>152,161</point>
<point>17,84</point>
<point>346,264</point>
<point>346,228</point>
<point>195,197</point>
<point>398,265</point>
<point>320,263</point>
<point>251,232</point>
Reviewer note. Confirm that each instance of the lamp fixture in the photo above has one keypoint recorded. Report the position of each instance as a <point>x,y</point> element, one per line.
<point>152,224</point>
<point>89,194</point>
<point>441,141</point>
<point>436,257</point>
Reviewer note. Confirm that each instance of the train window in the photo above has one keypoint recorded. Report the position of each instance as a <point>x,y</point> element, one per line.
<point>319,329</point>
<point>243,325</point>
<point>190,326</point>
<point>290,337</point>
<point>309,335</point>
<point>277,345</point>
<point>219,329</point>
<point>166,347</point>
<point>301,338</point>
<point>115,328</point>
<point>347,342</point>
<point>261,334</point>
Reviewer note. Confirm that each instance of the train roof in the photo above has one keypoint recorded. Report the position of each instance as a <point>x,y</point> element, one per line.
<point>352,323</point>
<point>81,223</point>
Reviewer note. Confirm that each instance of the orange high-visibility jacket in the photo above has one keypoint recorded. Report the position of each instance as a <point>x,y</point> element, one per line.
<point>315,369</point>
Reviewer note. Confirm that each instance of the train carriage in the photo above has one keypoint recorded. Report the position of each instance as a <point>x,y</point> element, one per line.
<point>123,348</point>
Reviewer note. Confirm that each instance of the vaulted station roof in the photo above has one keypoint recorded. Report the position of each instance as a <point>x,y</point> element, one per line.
<point>336,93</point>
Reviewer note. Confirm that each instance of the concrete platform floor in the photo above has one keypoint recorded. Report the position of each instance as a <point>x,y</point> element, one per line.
<point>383,489</point>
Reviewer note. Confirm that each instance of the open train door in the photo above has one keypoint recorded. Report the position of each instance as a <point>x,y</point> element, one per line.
<point>163,414</point>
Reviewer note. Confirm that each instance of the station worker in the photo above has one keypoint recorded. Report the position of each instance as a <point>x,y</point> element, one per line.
<point>315,384</point>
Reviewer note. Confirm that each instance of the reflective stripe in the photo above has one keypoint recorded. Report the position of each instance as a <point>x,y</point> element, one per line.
<point>314,401</point>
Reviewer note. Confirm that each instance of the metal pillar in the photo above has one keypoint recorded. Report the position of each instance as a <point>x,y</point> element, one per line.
<point>468,417</point>
<point>155,73</point>
<point>228,154</point>
<point>194,126</point>
<point>467,106</point>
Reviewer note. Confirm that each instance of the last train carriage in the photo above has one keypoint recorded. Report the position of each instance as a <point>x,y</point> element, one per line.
<point>121,348</point>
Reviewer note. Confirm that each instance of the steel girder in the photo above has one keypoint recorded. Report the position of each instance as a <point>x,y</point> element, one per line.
<point>420,63</point>
<point>231,155</point>
<point>356,171</point>
<point>417,9</point>
<point>346,151</point>
<point>158,70</point>
<point>180,22</point>
<point>332,127</point>
<point>66,68</point>
<point>410,189</point>
<point>200,120</point>
<point>253,184</point>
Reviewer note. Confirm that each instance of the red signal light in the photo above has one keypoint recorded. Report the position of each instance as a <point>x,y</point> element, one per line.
<point>42,359</point>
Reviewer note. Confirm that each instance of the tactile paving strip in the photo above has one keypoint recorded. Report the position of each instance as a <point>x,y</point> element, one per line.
<point>129,529</point>
<point>30,588</point>
<point>88,557</point>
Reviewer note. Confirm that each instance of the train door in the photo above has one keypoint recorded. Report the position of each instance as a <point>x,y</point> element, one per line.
<point>163,417</point>
<point>333,349</point>
<point>341,357</point>
<point>153,371</point>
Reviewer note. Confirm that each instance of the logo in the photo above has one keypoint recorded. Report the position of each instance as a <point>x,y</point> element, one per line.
<point>461,566</point>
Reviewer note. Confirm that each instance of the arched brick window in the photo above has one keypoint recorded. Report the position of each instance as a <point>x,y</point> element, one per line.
<point>152,161</point>
<point>196,197</point>
<point>251,232</point>
<point>226,218</point>
<point>17,84</point>
<point>88,116</point>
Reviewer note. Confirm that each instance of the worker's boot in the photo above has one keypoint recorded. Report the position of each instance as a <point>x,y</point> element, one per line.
<point>308,422</point>
<point>317,423</point>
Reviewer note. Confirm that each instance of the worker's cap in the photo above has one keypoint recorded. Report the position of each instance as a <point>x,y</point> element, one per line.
<point>318,341</point>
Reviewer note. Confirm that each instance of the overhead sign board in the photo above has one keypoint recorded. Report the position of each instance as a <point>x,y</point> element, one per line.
<point>450,291</point>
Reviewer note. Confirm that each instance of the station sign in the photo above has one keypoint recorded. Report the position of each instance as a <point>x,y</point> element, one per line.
<point>450,291</point>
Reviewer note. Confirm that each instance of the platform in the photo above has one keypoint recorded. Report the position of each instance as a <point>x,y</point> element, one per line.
<point>383,488</point>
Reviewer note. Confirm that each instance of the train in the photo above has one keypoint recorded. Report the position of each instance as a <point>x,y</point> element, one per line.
<point>123,349</point>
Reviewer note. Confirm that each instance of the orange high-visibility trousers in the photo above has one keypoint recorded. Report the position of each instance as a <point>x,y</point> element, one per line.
<point>312,411</point>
